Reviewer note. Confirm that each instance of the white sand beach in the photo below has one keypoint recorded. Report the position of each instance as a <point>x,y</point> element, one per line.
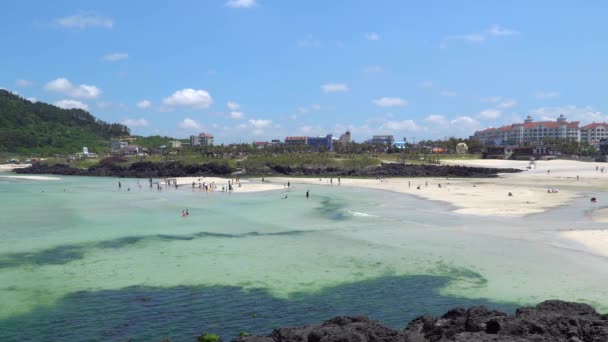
<point>244,185</point>
<point>490,196</point>
<point>11,167</point>
<point>594,240</point>
<point>31,177</point>
<point>600,215</point>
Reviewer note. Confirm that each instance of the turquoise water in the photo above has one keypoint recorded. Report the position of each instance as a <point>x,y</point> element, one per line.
<point>81,260</point>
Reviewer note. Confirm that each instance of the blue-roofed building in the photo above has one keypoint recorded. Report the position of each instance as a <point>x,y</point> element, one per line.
<point>326,142</point>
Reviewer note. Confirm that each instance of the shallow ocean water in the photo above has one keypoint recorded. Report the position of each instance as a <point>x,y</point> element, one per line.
<point>81,260</point>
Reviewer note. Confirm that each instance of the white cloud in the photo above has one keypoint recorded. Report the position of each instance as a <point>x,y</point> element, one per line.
<point>373,69</point>
<point>585,114</point>
<point>309,42</point>
<point>189,98</point>
<point>426,84</point>
<point>489,114</point>
<point>190,124</point>
<point>403,125</point>
<point>236,115</point>
<point>241,3</point>
<point>23,83</point>
<point>32,99</point>
<point>64,86</point>
<point>235,112</point>
<point>390,102</point>
<point>104,104</point>
<point>143,104</point>
<point>83,21</point>
<point>447,93</point>
<point>501,102</point>
<point>113,57</point>
<point>69,104</point>
<point>437,120</point>
<point>479,37</point>
<point>543,95</point>
<point>507,103</point>
<point>372,36</point>
<point>465,121</point>
<point>259,123</point>
<point>497,30</point>
<point>492,99</point>
<point>136,122</point>
<point>334,87</point>
<point>233,105</point>
<point>315,106</point>
<point>306,129</point>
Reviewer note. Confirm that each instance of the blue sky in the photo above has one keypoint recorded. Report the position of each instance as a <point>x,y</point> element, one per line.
<point>253,70</point>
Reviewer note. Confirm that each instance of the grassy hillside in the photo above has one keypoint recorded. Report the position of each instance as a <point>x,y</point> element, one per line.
<point>39,128</point>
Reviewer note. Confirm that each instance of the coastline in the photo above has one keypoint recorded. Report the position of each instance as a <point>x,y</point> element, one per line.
<point>489,197</point>
<point>11,167</point>
<point>40,178</point>
<point>468,196</point>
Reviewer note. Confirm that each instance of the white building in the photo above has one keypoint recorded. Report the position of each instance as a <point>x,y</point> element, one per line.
<point>594,132</point>
<point>530,132</point>
<point>203,139</point>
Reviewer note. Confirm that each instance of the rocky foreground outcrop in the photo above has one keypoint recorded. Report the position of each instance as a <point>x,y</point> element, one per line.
<point>550,321</point>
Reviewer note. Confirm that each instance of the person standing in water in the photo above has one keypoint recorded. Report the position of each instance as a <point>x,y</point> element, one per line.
<point>307,193</point>
<point>119,185</point>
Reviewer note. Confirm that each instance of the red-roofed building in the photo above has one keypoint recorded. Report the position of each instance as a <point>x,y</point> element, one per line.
<point>203,139</point>
<point>530,132</point>
<point>594,132</point>
<point>291,141</point>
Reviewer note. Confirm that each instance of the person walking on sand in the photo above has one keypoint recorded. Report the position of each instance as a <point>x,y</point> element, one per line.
<point>288,184</point>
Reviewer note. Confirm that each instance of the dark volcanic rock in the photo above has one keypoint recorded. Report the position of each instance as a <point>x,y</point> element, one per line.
<point>550,321</point>
<point>176,169</point>
<point>135,170</point>
<point>426,170</point>
<point>384,170</point>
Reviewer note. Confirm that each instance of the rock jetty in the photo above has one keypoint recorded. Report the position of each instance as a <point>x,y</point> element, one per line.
<point>176,169</point>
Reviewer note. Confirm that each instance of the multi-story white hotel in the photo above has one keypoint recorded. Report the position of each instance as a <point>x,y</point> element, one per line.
<point>203,139</point>
<point>594,132</point>
<point>532,132</point>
